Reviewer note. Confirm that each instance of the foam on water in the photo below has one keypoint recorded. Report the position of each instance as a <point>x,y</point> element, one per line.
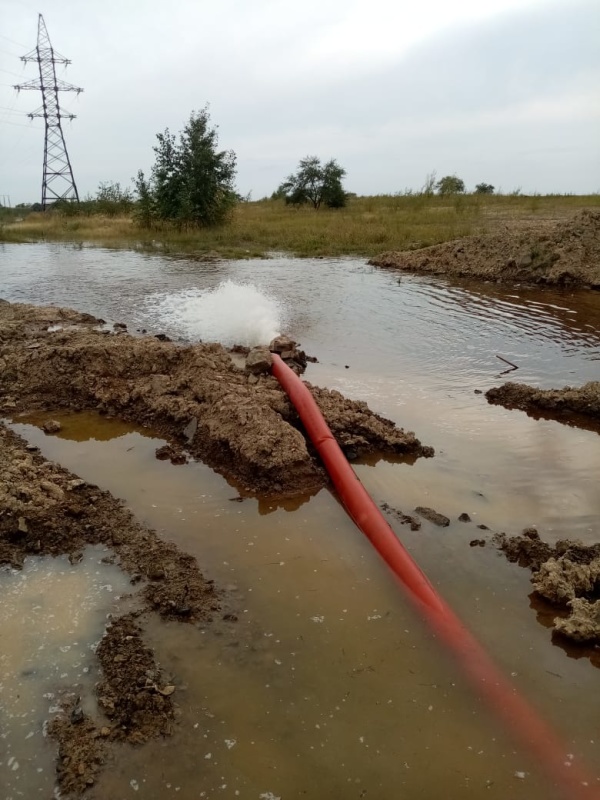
<point>232,313</point>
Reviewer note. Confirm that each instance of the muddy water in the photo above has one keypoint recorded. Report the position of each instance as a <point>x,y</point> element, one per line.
<point>52,615</point>
<point>327,686</point>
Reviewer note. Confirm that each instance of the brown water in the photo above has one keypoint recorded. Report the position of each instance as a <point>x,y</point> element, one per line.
<point>328,686</point>
<point>52,616</point>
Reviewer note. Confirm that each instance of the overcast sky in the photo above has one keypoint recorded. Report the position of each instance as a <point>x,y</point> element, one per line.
<point>501,91</point>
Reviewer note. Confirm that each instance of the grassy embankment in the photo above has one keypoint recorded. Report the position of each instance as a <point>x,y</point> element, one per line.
<point>366,227</point>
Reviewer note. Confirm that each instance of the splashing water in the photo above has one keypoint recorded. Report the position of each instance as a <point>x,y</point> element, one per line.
<point>232,313</point>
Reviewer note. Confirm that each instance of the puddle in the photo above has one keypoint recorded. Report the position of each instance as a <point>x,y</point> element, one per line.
<point>52,615</point>
<point>300,577</point>
<point>327,685</point>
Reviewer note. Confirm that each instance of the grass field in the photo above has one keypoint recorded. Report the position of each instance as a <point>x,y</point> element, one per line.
<point>366,227</point>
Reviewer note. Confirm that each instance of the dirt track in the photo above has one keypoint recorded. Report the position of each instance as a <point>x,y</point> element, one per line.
<point>241,424</point>
<point>565,254</point>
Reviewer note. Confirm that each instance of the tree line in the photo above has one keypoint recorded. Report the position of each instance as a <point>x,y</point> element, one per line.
<point>191,183</point>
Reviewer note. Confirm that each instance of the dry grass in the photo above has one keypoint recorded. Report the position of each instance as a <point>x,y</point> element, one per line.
<point>368,226</point>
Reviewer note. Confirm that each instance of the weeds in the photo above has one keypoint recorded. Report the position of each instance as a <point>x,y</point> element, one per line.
<point>366,227</point>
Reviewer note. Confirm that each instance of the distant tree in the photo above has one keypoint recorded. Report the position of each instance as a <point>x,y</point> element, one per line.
<point>450,184</point>
<point>484,188</point>
<point>314,183</point>
<point>191,182</point>
<point>428,187</point>
<point>112,200</point>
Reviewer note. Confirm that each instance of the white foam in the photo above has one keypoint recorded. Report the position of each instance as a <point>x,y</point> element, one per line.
<point>232,313</point>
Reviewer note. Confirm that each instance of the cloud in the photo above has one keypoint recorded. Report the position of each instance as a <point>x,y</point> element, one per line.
<point>502,91</point>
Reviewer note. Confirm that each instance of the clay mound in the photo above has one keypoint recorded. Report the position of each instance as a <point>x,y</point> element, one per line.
<point>566,575</point>
<point>242,424</point>
<point>583,401</point>
<point>566,254</point>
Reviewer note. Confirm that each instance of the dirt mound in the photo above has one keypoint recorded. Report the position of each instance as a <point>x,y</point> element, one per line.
<point>566,254</point>
<point>243,423</point>
<point>566,575</point>
<point>579,406</point>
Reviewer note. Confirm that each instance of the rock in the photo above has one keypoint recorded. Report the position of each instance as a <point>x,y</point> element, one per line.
<point>583,624</point>
<point>433,516</point>
<point>52,489</point>
<point>483,527</point>
<point>120,326</point>
<point>22,525</point>
<point>253,379</point>
<point>477,543</point>
<point>259,360</point>
<point>52,426</point>
<point>77,483</point>
<point>464,517</point>
<point>282,343</point>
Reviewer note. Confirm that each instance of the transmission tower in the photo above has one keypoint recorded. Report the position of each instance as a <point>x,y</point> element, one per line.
<point>58,182</point>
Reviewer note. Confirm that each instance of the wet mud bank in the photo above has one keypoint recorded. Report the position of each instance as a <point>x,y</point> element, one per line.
<point>46,510</point>
<point>566,576</point>
<point>239,422</point>
<point>565,254</point>
<point>577,406</point>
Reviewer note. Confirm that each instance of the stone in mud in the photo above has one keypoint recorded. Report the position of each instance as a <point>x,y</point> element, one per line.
<point>477,543</point>
<point>259,360</point>
<point>52,426</point>
<point>464,517</point>
<point>171,453</point>
<point>583,623</point>
<point>560,580</point>
<point>433,516</point>
<point>281,344</point>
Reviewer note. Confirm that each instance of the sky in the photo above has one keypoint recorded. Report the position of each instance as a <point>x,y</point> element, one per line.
<point>505,92</point>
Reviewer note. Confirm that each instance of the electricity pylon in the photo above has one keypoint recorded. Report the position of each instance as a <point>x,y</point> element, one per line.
<point>58,182</point>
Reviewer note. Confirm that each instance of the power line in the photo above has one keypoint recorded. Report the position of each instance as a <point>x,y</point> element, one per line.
<point>58,182</point>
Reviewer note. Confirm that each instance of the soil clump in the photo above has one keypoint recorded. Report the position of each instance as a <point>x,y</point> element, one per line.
<point>46,510</point>
<point>565,254</point>
<point>578,406</point>
<point>245,426</point>
<point>566,575</point>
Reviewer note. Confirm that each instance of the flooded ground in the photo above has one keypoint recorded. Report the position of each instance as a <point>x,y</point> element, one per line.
<point>327,685</point>
<point>52,616</point>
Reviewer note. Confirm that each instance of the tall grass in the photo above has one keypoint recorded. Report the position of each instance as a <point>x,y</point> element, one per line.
<point>366,227</point>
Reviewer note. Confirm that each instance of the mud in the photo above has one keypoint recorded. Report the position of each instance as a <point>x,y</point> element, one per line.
<point>566,575</point>
<point>576,406</point>
<point>404,519</point>
<point>563,254</point>
<point>44,509</point>
<point>243,423</point>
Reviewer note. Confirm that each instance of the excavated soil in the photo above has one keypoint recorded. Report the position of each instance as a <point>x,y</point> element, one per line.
<point>46,510</point>
<point>577,406</point>
<point>563,254</point>
<point>566,575</point>
<point>240,423</point>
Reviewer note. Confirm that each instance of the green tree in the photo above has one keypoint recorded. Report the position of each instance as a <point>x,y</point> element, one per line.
<point>112,200</point>
<point>191,182</point>
<point>315,183</point>
<point>484,188</point>
<point>450,184</point>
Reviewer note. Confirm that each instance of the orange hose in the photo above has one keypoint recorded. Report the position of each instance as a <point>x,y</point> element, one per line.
<point>524,722</point>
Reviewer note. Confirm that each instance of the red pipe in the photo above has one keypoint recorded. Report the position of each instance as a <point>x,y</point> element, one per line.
<point>519,716</point>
